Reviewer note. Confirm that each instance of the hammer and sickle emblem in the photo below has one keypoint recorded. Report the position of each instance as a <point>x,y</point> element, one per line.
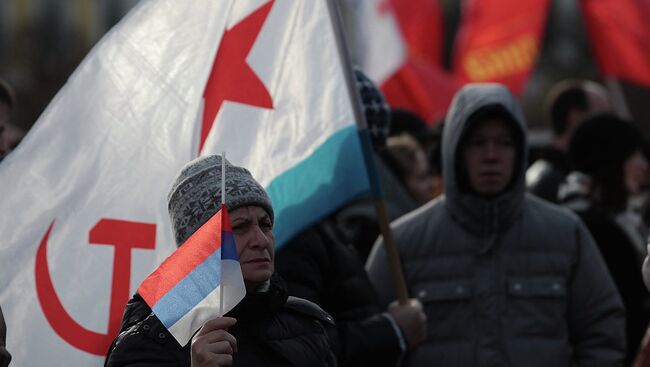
<point>124,236</point>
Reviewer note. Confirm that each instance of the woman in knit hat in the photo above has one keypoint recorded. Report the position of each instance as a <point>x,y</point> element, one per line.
<point>607,153</point>
<point>267,328</point>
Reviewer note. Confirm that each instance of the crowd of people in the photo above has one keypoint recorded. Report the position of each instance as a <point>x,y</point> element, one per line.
<point>507,262</point>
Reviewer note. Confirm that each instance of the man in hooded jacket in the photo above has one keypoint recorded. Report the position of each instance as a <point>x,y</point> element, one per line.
<point>505,279</point>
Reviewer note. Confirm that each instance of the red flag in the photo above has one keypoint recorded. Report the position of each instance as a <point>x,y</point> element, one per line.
<point>421,84</point>
<point>421,24</point>
<point>619,32</point>
<point>407,80</point>
<point>498,41</point>
<point>421,87</point>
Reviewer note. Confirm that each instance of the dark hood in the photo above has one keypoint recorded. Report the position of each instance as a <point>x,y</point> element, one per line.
<point>476,214</point>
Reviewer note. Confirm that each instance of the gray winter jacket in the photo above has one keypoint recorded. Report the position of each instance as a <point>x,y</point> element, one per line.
<point>511,281</point>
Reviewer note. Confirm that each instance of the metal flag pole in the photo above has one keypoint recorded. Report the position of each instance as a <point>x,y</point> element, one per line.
<point>223,203</point>
<point>368,155</point>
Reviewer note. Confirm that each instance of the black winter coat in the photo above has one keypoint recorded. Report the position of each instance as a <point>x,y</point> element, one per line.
<point>272,329</point>
<point>544,176</point>
<point>317,265</point>
<point>623,263</point>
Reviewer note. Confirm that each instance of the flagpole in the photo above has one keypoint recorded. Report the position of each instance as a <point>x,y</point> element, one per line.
<point>368,155</point>
<point>223,202</point>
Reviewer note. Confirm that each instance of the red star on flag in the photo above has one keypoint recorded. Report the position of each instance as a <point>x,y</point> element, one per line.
<point>231,77</point>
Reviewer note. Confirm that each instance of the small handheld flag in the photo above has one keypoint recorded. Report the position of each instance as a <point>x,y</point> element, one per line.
<point>186,290</point>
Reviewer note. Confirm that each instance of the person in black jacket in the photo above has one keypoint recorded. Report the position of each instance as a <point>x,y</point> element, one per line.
<point>319,266</point>
<point>566,105</point>
<point>610,167</point>
<point>267,328</point>
<point>323,266</point>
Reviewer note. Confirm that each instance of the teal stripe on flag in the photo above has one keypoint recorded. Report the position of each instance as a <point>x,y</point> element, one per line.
<point>334,174</point>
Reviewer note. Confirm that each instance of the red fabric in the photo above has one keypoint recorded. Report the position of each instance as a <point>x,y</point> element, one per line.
<point>421,24</point>
<point>619,31</point>
<point>423,88</point>
<point>499,40</point>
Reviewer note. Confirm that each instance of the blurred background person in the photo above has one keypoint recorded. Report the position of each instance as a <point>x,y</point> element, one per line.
<point>565,106</point>
<point>607,152</point>
<point>408,161</point>
<point>10,134</point>
<point>404,121</point>
<point>428,137</point>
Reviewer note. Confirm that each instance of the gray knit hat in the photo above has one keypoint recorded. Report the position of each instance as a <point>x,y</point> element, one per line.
<point>196,194</point>
<point>375,108</point>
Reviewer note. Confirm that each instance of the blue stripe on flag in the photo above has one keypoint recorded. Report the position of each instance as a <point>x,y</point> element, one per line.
<point>189,291</point>
<point>334,174</point>
<point>228,246</point>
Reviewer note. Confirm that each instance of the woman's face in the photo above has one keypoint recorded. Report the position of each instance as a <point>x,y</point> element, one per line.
<point>635,171</point>
<point>253,231</point>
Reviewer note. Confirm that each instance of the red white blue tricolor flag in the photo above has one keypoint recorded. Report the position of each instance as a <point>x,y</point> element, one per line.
<point>184,292</point>
<point>83,214</point>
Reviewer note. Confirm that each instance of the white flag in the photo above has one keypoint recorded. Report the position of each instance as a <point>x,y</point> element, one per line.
<point>379,47</point>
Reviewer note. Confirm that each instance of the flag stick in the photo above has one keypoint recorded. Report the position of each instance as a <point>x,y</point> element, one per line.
<point>223,202</point>
<point>223,178</point>
<point>368,155</point>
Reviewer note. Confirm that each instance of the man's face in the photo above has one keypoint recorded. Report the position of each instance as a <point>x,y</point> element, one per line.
<point>253,231</point>
<point>489,156</point>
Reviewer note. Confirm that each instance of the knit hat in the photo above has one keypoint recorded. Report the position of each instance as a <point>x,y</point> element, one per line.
<point>375,108</point>
<point>196,194</point>
<point>602,143</point>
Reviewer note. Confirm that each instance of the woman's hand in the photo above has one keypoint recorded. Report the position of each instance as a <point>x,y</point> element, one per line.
<point>213,345</point>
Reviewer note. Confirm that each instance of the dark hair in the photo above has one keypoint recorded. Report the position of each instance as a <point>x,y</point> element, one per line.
<point>561,101</point>
<point>599,147</point>
<point>400,154</point>
<point>405,121</point>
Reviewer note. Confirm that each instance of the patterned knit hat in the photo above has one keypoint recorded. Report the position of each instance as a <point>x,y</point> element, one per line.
<point>196,194</point>
<point>375,108</point>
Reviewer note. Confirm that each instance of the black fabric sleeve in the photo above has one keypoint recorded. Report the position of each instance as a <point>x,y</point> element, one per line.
<point>318,267</point>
